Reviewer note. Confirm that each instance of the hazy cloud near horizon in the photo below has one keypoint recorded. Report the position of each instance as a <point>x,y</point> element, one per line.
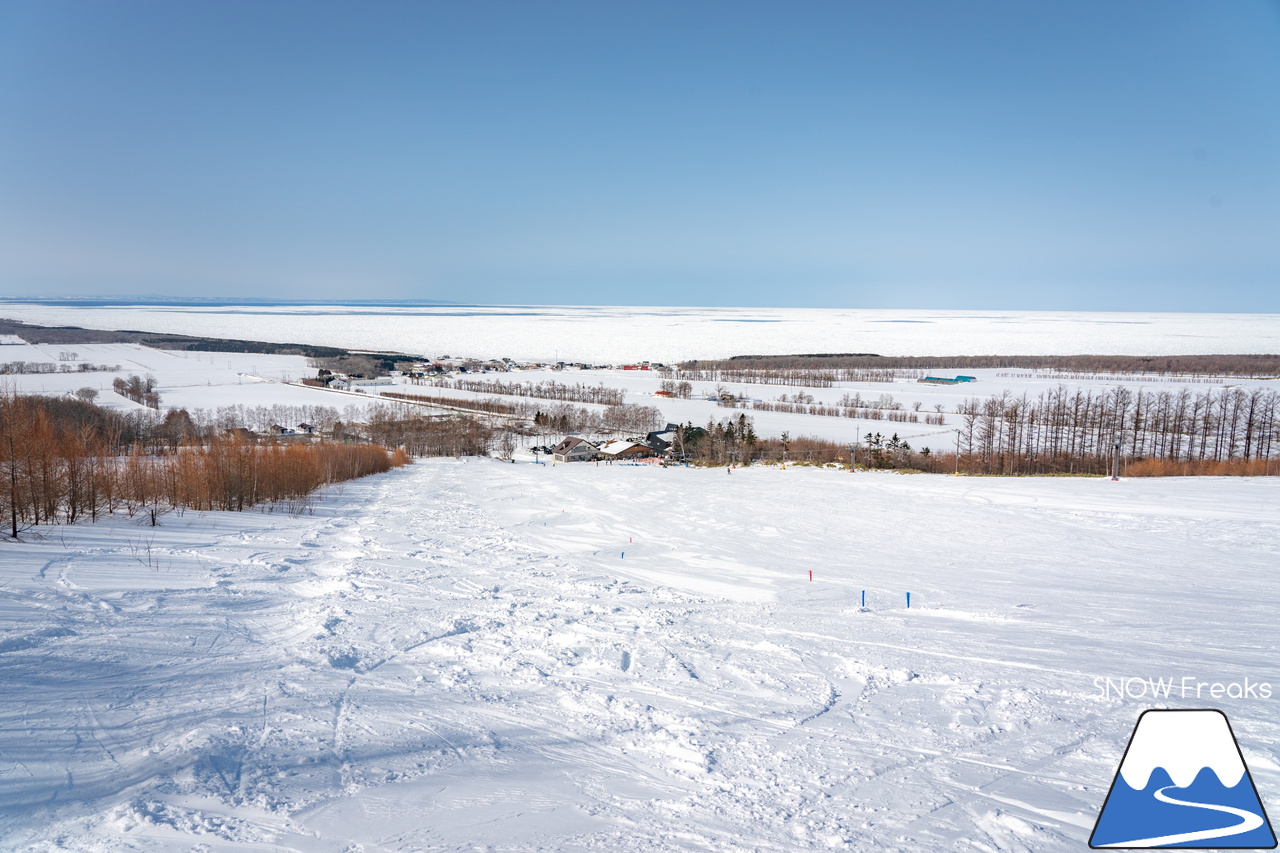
<point>1086,157</point>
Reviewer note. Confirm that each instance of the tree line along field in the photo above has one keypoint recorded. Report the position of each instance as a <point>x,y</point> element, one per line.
<point>849,367</point>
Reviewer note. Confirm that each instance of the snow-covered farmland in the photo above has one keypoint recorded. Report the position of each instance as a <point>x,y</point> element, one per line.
<point>458,655</point>
<point>640,387</point>
<point>201,380</point>
<point>185,379</point>
<point>190,380</point>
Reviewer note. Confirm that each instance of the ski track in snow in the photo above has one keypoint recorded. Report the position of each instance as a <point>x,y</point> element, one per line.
<point>457,656</point>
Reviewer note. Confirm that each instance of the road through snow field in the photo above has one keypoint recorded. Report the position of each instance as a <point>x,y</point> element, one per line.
<point>458,656</point>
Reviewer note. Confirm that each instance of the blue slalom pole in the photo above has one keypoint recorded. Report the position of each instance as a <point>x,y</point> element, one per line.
<point>908,601</point>
<point>624,556</point>
<point>864,598</point>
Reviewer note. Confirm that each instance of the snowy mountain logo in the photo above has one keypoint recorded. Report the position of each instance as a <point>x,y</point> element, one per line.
<point>1183,783</point>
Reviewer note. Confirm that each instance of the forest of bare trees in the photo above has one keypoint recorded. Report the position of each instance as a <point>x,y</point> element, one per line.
<point>419,434</point>
<point>66,460</point>
<point>1230,431</point>
<point>1076,430</point>
<point>139,389</point>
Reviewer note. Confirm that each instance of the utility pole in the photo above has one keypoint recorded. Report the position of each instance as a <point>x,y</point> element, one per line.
<point>1115,465</point>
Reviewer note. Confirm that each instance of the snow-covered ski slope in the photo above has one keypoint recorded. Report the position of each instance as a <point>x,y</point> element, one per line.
<point>458,656</point>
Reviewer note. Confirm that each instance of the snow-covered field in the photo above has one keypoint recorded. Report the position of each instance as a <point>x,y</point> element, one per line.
<point>458,656</point>
<point>614,334</point>
<point>200,380</point>
<point>191,379</point>
<point>641,385</point>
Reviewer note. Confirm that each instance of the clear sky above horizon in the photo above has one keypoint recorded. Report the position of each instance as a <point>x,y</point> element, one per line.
<point>1051,156</point>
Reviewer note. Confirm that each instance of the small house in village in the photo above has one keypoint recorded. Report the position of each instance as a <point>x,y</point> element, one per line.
<point>660,441</point>
<point>574,449</point>
<point>284,433</point>
<point>622,449</point>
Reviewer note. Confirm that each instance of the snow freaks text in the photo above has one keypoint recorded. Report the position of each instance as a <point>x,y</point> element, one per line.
<point>1186,687</point>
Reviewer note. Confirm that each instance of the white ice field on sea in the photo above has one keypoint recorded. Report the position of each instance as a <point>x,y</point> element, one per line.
<point>476,655</point>
<point>616,334</point>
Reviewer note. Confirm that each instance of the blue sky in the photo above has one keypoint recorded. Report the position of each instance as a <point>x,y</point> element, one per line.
<point>1075,156</point>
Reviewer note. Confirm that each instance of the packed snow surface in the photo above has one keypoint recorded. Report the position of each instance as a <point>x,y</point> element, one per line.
<point>475,655</point>
<point>615,334</point>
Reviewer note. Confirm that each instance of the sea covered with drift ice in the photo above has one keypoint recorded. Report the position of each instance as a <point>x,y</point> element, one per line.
<point>614,334</point>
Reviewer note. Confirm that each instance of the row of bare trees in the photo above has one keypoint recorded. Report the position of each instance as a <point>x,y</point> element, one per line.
<point>546,390</point>
<point>832,411</point>
<point>810,377</point>
<point>764,376</point>
<point>1074,376</point>
<point>489,405</point>
<point>1078,430</point>
<point>1242,365</point>
<point>39,367</point>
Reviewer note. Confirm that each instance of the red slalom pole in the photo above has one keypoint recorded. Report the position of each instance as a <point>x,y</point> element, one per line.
<point>811,574</point>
